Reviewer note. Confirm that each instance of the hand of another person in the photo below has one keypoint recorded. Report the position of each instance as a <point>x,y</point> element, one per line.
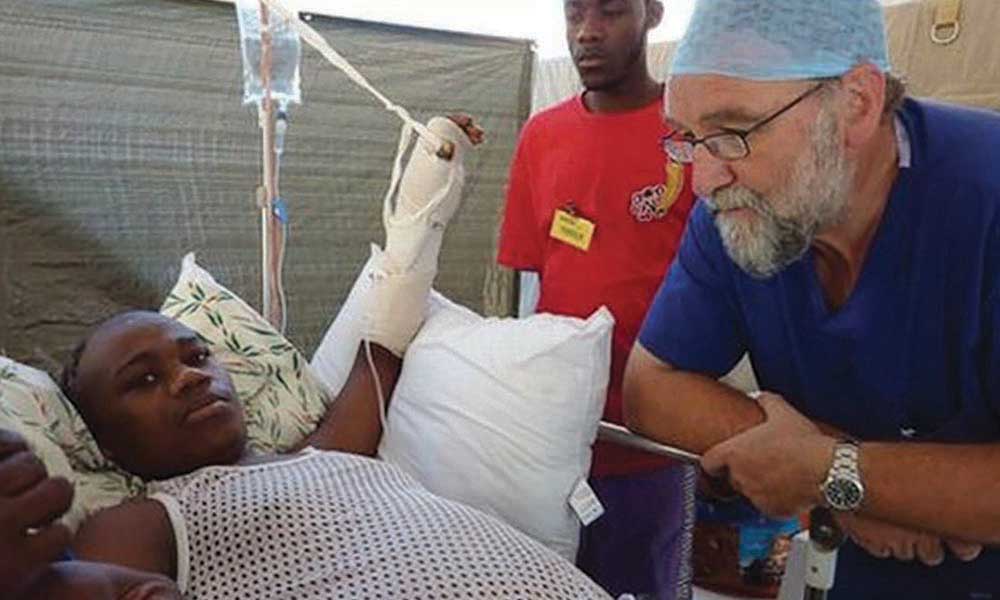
<point>97,581</point>
<point>779,464</point>
<point>159,588</point>
<point>29,500</point>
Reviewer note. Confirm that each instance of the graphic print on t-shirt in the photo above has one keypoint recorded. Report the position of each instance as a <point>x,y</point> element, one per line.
<point>652,203</point>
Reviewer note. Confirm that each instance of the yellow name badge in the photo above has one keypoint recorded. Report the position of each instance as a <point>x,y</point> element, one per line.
<point>570,229</point>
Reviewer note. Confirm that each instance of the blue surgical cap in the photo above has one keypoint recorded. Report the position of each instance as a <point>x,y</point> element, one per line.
<point>778,40</point>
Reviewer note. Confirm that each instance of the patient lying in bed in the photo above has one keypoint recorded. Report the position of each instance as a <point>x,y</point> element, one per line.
<point>316,524</point>
<point>325,522</point>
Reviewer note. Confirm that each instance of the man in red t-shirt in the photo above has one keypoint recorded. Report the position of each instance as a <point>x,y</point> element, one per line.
<point>596,209</point>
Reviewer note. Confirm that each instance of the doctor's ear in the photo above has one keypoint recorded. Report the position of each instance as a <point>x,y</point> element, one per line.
<point>863,103</point>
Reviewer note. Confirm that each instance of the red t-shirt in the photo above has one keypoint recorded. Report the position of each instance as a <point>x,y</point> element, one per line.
<point>611,169</point>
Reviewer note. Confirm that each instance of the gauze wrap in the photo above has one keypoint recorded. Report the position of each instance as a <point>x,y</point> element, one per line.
<point>430,192</point>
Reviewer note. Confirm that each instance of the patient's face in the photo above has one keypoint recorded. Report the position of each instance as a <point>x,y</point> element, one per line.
<point>156,400</point>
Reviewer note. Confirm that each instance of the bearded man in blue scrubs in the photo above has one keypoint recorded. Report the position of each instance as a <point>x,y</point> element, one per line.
<point>848,238</point>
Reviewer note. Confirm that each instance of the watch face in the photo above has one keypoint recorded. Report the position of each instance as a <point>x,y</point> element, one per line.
<point>844,494</point>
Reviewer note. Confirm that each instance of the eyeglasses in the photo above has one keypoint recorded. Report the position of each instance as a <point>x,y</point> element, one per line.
<point>729,144</point>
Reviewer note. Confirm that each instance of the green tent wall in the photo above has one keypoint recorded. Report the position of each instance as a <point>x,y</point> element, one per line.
<point>123,146</point>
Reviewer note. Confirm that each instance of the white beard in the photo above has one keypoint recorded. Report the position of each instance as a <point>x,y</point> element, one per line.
<point>815,197</point>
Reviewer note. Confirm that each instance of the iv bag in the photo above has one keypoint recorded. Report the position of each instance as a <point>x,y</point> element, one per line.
<point>286,50</point>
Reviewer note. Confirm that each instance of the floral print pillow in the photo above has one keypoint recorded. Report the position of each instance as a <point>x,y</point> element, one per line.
<point>284,399</point>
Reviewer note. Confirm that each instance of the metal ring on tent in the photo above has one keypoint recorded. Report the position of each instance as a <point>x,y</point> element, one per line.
<point>946,27</point>
<point>938,33</point>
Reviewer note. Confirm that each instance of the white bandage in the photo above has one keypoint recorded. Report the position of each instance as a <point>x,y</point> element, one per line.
<point>397,307</point>
<point>427,173</point>
<point>430,192</point>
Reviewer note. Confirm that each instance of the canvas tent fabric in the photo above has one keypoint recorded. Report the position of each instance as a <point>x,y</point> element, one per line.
<point>124,146</point>
<point>965,72</point>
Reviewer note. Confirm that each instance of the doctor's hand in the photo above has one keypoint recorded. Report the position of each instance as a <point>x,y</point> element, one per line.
<point>964,551</point>
<point>778,465</point>
<point>885,540</point>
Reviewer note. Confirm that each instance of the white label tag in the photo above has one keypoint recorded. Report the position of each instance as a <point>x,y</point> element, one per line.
<point>585,503</point>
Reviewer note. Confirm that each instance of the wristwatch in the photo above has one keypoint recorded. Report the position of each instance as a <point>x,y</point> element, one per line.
<point>843,489</point>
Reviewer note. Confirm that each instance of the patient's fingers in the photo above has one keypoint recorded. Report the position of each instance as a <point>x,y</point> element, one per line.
<point>41,505</point>
<point>19,472</point>
<point>475,133</point>
<point>461,119</point>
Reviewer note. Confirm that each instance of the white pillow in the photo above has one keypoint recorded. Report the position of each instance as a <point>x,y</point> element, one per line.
<point>501,414</point>
<point>334,358</point>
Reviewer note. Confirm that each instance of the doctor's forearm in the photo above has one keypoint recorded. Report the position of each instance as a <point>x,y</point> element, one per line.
<point>951,490</point>
<point>687,410</point>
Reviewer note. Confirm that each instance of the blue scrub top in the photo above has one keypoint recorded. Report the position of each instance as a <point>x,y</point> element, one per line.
<point>914,353</point>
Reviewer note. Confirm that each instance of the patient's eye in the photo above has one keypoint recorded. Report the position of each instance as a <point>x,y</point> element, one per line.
<point>144,380</point>
<point>201,357</point>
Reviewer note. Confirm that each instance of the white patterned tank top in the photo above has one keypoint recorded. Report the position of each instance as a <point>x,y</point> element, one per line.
<point>328,525</point>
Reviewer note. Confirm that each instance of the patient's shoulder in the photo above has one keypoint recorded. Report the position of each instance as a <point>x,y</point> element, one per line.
<point>135,534</point>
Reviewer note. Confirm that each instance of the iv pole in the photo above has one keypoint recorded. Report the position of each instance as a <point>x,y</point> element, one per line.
<point>272,231</point>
